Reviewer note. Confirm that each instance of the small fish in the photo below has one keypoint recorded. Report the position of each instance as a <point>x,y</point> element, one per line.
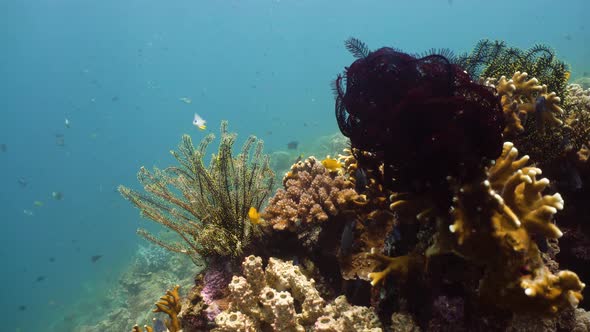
<point>22,307</point>
<point>115,99</point>
<point>567,75</point>
<point>57,195</point>
<point>3,147</point>
<point>52,259</point>
<point>60,140</point>
<point>299,158</point>
<point>28,213</point>
<point>540,109</point>
<point>95,258</point>
<point>199,122</point>
<point>40,278</point>
<point>360,180</point>
<point>22,182</point>
<point>347,237</point>
<point>67,123</point>
<point>185,100</point>
<point>332,165</point>
<point>292,145</point>
<point>38,203</point>
<point>254,216</point>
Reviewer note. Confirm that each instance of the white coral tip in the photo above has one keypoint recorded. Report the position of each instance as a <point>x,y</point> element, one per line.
<point>529,292</point>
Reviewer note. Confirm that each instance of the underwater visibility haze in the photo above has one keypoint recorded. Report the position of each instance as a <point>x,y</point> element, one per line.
<point>294,165</point>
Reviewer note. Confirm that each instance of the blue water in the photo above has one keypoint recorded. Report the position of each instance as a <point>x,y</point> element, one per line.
<point>117,69</point>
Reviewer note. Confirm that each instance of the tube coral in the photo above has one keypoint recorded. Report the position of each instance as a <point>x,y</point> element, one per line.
<point>265,298</point>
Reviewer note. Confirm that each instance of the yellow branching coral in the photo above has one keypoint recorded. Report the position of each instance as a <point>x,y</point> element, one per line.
<point>136,328</point>
<point>400,267</point>
<point>494,222</point>
<point>521,194</point>
<point>206,206</point>
<point>169,304</point>
<point>521,96</point>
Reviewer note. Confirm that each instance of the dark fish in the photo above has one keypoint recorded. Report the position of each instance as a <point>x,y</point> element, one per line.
<point>3,147</point>
<point>22,307</point>
<point>540,108</point>
<point>299,158</point>
<point>40,278</point>
<point>292,145</point>
<point>115,99</point>
<point>57,195</point>
<point>360,180</point>
<point>450,2</point>
<point>52,259</point>
<point>95,258</point>
<point>347,238</point>
<point>23,182</point>
<point>60,140</point>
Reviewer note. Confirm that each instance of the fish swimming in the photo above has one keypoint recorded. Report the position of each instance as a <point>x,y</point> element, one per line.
<point>292,145</point>
<point>360,180</point>
<point>347,237</point>
<point>199,122</point>
<point>254,216</point>
<point>332,165</point>
<point>95,258</point>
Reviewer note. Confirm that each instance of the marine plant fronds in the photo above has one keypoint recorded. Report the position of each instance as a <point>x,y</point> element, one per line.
<point>206,206</point>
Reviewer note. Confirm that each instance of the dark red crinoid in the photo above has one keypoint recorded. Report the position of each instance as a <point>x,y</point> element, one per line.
<point>423,116</point>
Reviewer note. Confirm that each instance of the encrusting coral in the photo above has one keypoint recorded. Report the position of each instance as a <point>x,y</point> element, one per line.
<point>266,298</point>
<point>210,214</point>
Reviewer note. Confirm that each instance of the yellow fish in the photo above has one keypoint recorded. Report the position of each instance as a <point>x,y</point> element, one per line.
<point>332,165</point>
<point>567,75</point>
<point>254,216</point>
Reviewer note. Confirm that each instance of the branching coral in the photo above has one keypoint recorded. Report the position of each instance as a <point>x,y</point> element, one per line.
<point>267,298</point>
<point>206,206</point>
<point>169,304</point>
<point>494,223</point>
<point>311,194</point>
<point>522,97</point>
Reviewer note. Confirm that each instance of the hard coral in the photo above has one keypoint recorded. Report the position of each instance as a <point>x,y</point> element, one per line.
<point>521,97</point>
<point>418,112</point>
<point>495,221</point>
<point>280,297</point>
<point>311,194</point>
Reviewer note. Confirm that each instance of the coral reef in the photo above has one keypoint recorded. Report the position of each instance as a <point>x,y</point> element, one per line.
<point>210,214</point>
<point>266,298</point>
<point>429,220</point>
